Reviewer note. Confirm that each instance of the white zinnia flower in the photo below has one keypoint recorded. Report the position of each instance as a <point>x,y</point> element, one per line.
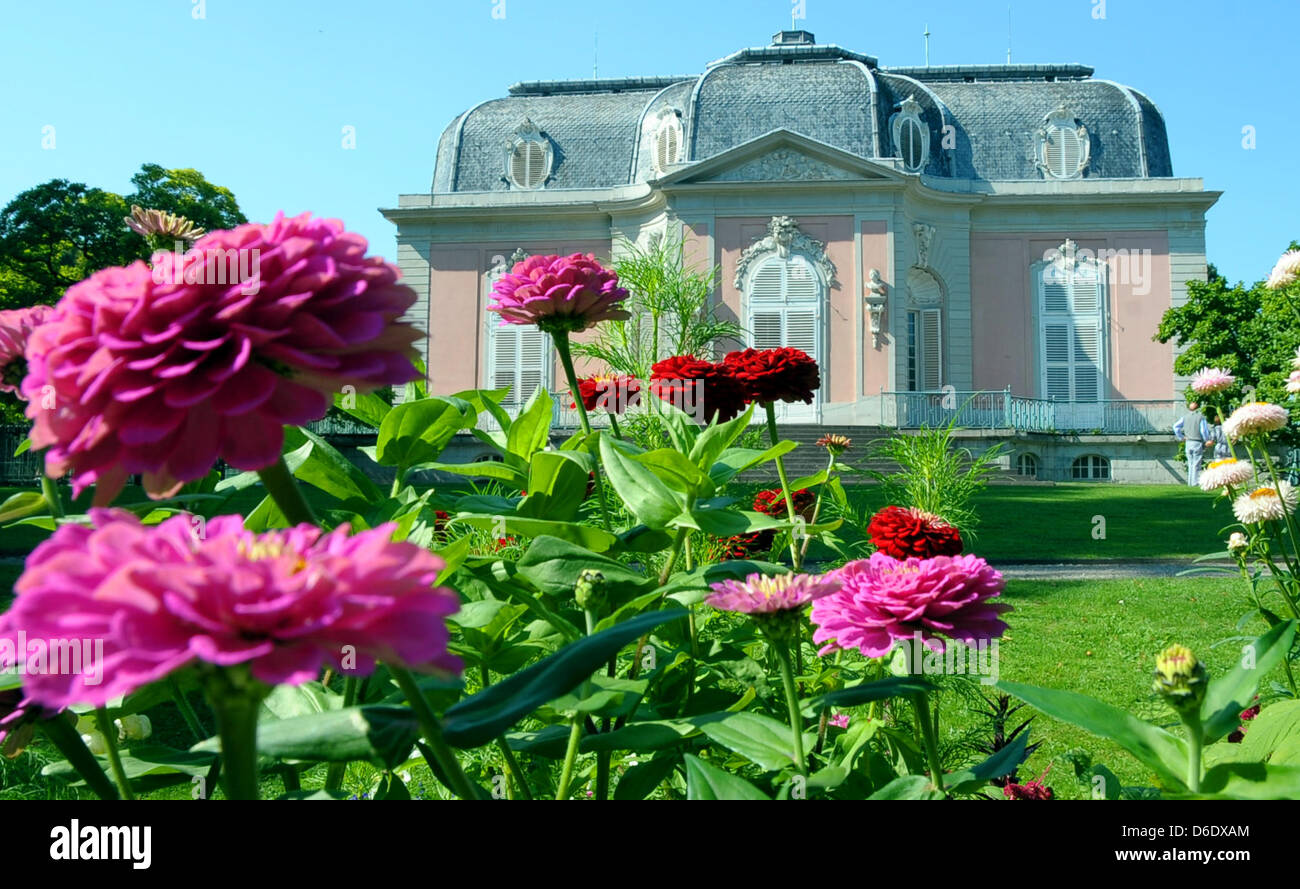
<point>1255,417</point>
<point>1225,472</point>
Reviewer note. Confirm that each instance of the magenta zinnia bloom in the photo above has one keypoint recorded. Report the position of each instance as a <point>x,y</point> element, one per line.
<point>212,352</point>
<point>766,595</point>
<point>285,602</point>
<point>883,600</point>
<point>16,326</point>
<point>568,293</point>
<point>1212,379</point>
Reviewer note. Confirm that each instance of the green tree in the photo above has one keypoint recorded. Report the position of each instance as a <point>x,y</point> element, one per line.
<point>187,193</point>
<point>1252,332</point>
<point>59,232</point>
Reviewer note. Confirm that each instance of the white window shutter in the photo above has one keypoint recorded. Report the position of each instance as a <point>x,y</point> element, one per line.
<point>1073,334</point>
<point>1087,361</point>
<point>932,349</point>
<point>518,358</point>
<point>766,330</point>
<point>801,330</point>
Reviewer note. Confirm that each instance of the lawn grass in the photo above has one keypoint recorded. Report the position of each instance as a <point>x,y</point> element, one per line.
<point>1100,638</point>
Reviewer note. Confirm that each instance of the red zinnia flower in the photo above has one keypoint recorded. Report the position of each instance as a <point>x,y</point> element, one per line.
<point>903,533</point>
<point>783,374</point>
<point>613,394</point>
<point>699,388</point>
<point>772,503</point>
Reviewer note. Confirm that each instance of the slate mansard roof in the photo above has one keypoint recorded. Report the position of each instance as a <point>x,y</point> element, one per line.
<point>602,131</point>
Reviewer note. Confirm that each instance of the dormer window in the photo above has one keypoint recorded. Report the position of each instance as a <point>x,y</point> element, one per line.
<point>528,157</point>
<point>911,136</point>
<point>1063,145</point>
<point>668,140</point>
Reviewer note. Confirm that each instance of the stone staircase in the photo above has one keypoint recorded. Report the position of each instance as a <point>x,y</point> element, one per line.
<point>808,459</point>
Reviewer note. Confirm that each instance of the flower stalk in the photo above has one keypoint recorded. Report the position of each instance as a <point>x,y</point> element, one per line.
<point>796,558</point>
<point>287,495</point>
<point>444,758</point>
<point>109,731</point>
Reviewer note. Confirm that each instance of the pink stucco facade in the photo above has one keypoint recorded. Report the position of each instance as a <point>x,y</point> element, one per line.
<point>1003,316</point>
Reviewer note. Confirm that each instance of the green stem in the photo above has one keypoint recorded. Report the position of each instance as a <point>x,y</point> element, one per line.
<point>817,507</point>
<point>286,494</point>
<point>570,754</point>
<point>64,736</point>
<point>109,731</point>
<point>1194,744</point>
<point>187,711</point>
<point>1290,521</point>
<point>792,704</point>
<point>673,555</point>
<point>795,556</point>
<point>235,699</point>
<point>561,340</point>
<point>445,757</point>
<point>337,771</point>
<point>399,479</point>
<point>613,425</point>
<point>512,764</point>
<point>929,738</point>
<point>53,499</point>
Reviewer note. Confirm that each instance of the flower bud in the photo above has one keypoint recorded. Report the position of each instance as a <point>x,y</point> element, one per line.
<point>134,728</point>
<point>95,742</point>
<point>1237,543</point>
<point>1180,678</point>
<point>589,591</point>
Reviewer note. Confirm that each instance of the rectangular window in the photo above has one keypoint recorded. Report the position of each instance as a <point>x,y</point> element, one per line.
<point>1072,333</point>
<point>924,350</point>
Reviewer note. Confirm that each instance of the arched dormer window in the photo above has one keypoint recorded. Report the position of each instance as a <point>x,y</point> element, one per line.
<point>667,140</point>
<point>911,136</point>
<point>529,155</point>
<point>1063,146</point>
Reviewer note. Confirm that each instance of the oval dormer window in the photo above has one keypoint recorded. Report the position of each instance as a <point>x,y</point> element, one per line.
<point>668,141</point>
<point>1063,146</point>
<point>911,136</point>
<point>528,157</point>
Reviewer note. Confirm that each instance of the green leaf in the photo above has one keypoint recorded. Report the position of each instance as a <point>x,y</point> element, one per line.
<point>601,696</point>
<point>646,496</point>
<point>643,737</point>
<point>479,719</point>
<point>24,503</point>
<point>1250,780</point>
<point>808,481</point>
<point>644,778</point>
<point>1275,725</point>
<point>1004,762</point>
<point>714,441</point>
<point>908,787</point>
<point>327,469</point>
<point>594,539</point>
<point>417,431</point>
<point>737,460</point>
<point>1228,695</point>
<point>677,472</point>
<point>492,469</point>
<point>1157,749</point>
<point>379,734</point>
<point>553,565</point>
<point>704,781</point>
<point>557,485</point>
<point>531,430</point>
<point>759,738</point>
<point>367,407</point>
<point>726,522</point>
<point>879,690</point>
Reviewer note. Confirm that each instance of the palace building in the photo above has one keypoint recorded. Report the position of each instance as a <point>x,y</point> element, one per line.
<point>995,243</point>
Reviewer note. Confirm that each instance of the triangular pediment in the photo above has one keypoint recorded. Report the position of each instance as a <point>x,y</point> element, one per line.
<point>780,156</point>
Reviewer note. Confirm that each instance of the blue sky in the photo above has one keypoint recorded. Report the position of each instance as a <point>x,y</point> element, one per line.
<point>256,93</point>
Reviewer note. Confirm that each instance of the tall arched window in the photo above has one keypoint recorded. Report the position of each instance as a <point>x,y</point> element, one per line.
<point>784,308</point>
<point>519,356</point>
<point>1071,294</point>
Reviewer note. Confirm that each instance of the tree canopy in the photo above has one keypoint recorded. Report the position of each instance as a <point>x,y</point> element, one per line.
<point>1252,332</point>
<point>54,234</point>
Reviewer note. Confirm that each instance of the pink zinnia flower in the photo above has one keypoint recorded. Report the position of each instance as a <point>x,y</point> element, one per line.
<point>163,371</point>
<point>839,720</point>
<point>766,595</point>
<point>1254,418</point>
<point>16,326</point>
<point>1212,379</point>
<point>568,293</point>
<point>883,600</point>
<point>1285,272</point>
<point>158,598</point>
